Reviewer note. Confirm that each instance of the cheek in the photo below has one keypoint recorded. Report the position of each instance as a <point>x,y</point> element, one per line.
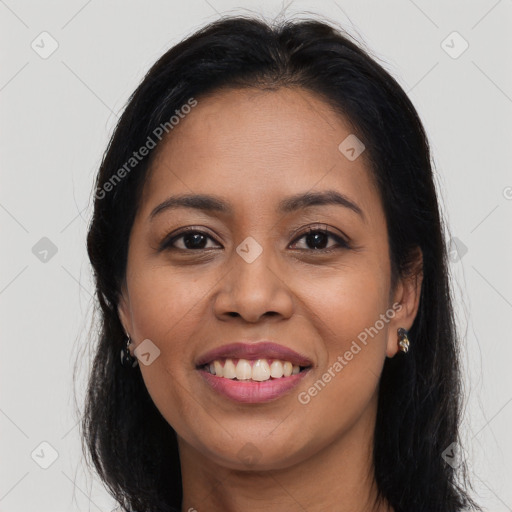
<point>347,301</point>
<point>165,302</point>
<point>166,308</point>
<point>347,312</point>
<point>346,381</point>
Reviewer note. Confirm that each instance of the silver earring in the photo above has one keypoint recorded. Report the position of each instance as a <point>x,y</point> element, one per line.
<point>127,360</point>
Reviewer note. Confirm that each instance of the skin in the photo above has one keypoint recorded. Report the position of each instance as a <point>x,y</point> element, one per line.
<point>253,148</point>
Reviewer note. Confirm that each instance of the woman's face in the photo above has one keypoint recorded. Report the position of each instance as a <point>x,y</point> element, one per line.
<point>251,272</point>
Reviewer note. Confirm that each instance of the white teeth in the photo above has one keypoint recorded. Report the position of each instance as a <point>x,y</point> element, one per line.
<point>259,371</point>
<point>243,370</point>
<point>276,369</point>
<point>229,370</point>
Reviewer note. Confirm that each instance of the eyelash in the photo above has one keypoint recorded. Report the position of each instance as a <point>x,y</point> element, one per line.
<point>167,242</point>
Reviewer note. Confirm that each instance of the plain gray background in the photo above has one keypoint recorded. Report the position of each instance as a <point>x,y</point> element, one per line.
<point>57,113</point>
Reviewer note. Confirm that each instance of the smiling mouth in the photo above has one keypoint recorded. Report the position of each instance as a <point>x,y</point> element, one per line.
<point>257,370</point>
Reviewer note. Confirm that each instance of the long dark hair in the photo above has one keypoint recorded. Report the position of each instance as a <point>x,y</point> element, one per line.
<point>131,445</point>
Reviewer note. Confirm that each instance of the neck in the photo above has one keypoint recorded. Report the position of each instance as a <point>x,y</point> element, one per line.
<point>338,477</point>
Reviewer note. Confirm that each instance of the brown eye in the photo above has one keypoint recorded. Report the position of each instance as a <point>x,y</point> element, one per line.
<point>318,239</point>
<point>189,239</point>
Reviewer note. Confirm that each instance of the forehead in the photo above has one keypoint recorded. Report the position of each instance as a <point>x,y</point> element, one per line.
<point>256,146</point>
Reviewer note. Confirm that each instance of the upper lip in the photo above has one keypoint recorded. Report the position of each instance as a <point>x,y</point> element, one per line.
<point>259,350</point>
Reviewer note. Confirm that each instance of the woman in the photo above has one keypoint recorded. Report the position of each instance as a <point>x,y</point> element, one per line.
<point>277,329</point>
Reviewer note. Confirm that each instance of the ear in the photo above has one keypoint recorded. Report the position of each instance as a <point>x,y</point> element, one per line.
<point>407,295</point>
<point>123,311</point>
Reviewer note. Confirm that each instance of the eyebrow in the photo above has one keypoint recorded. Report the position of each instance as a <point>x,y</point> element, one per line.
<point>211,203</point>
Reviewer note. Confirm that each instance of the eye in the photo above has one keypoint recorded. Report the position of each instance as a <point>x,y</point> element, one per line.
<point>318,238</point>
<point>191,238</point>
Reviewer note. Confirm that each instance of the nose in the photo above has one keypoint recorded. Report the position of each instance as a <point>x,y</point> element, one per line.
<point>252,290</point>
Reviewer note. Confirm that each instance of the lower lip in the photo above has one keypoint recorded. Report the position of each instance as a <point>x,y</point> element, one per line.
<point>251,391</point>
